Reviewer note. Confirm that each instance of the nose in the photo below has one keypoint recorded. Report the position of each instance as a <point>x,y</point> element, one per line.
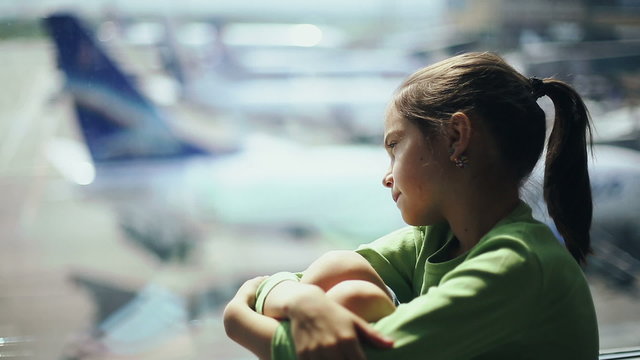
<point>387,180</point>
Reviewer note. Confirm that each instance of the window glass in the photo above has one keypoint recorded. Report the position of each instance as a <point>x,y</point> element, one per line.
<point>154,155</point>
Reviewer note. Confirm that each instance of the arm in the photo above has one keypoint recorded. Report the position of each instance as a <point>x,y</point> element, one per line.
<point>481,303</point>
<point>246,327</point>
<point>320,327</point>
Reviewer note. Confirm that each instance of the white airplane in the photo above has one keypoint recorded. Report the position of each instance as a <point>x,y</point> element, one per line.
<point>264,180</point>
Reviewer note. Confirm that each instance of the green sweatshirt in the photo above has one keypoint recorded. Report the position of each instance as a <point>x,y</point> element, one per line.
<point>517,294</point>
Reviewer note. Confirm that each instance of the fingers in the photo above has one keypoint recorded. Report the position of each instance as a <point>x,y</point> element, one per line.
<point>256,280</point>
<point>333,333</point>
<point>247,291</point>
<point>353,351</point>
<point>252,284</point>
<point>369,335</point>
<point>342,346</point>
<point>344,351</point>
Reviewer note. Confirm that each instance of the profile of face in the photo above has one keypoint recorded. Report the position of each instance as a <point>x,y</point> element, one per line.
<point>416,175</point>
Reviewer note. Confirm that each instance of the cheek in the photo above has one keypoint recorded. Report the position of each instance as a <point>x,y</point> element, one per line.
<point>411,178</point>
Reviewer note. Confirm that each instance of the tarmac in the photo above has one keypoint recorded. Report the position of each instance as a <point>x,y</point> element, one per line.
<point>67,264</point>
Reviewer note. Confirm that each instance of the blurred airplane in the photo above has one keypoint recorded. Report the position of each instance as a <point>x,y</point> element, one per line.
<point>273,182</point>
<point>261,180</point>
<point>162,186</point>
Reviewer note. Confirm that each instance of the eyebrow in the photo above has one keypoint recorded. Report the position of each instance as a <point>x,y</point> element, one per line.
<point>392,133</point>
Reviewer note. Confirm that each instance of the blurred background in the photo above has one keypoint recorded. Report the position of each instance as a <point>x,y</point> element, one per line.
<point>156,154</point>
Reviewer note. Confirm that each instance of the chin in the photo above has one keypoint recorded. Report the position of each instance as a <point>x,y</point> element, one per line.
<point>414,222</point>
<point>424,220</point>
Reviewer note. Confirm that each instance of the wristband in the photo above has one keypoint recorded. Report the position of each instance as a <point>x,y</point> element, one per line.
<point>268,284</point>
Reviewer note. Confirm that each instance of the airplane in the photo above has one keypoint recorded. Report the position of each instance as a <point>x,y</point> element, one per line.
<point>272,181</point>
<point>159,187</point>
<point>262,180</point>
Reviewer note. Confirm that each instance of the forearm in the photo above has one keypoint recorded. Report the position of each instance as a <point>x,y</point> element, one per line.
<point>248,328</point>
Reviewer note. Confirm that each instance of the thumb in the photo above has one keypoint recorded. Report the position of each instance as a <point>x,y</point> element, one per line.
<point>372,337</point>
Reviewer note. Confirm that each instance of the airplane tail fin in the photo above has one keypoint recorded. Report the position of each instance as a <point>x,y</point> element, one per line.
<point>117,121</point>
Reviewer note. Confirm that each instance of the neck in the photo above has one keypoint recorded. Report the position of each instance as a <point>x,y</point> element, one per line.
<point>476,212</point>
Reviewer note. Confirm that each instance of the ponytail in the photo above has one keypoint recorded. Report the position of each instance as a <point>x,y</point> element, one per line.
<point>505,101</point>
<point>567,189</point>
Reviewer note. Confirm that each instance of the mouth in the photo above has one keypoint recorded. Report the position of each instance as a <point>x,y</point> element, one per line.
<point>395,197</point>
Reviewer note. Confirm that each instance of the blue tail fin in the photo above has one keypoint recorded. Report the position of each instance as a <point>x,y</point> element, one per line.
<point>117,121</point>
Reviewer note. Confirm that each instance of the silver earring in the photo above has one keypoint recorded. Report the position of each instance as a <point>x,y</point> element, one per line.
<point>462,161</point>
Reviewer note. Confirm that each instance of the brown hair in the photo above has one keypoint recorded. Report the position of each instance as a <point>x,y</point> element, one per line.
<point>483,84</point>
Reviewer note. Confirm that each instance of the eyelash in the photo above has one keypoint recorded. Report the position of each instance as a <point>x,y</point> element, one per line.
<point>391,145</point>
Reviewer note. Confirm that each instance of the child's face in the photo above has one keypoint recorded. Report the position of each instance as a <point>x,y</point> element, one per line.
<point>416,174</point>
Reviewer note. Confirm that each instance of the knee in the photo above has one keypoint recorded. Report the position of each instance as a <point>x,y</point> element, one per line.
<point>346,261</point>
<point>337,266</point>
<point>353,293</point>
<point>362,298</point>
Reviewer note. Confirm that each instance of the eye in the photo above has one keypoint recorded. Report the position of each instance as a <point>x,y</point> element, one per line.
<point>390,145</point>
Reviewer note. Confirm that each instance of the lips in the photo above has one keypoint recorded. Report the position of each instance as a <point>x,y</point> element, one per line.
<point>395,196</point>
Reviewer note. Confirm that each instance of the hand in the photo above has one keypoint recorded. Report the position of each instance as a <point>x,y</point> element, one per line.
<point>322,329</point>
<point>246,327</point>
<point>247,292</point>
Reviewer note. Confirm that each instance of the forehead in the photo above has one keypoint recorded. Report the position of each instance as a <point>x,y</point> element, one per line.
<point>395,123</point>
<point>393,120</point>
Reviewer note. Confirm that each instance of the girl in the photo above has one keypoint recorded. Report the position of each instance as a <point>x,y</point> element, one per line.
<point>477,277</point>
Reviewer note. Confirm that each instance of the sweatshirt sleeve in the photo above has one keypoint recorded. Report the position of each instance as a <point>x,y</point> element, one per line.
<point>394,258</point>
<point>477,305</point>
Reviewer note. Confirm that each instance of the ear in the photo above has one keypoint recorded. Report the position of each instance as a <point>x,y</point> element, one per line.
<point>458,134</point>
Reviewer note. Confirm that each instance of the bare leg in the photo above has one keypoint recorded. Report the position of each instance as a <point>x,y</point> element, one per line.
<point>363,299</point>
<point>351,281</point>
<point>340,265</point>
